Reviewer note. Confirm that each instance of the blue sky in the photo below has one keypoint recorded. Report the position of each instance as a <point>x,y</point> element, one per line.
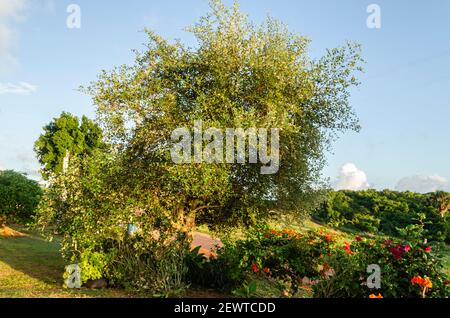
<point>403,102</point>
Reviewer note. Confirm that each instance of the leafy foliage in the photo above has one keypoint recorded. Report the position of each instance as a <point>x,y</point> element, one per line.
<point>66,135</point>
<point>328,264</point>
<point>19,196</point>
<point>386,211</point>
<point>239,75</point>
<point>91,208</point>
<point>400,261</point>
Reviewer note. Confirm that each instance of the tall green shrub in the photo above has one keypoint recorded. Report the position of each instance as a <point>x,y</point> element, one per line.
<point>19,196</point>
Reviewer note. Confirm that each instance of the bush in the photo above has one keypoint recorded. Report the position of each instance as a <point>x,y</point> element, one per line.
<point>327,264</point>
<point>158,269</point>
<point>285,256</point>
<point>400,261</point>
<point>19,197</point>
<point>88,207</point>
<point>222,271</point>
<point>386,211</point>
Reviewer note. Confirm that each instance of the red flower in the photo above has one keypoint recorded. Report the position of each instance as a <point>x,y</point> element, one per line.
<point>266,270</point>
<point>347,249</point>
<point>358,238</point>
<point>447,282</point>
<point>398,251</point>
<point>388,242</point>
<point>255,268</point>
<point>427,249</point>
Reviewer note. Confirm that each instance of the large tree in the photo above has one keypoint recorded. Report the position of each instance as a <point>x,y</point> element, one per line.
<point>64,137</point>
<point>238,76</point>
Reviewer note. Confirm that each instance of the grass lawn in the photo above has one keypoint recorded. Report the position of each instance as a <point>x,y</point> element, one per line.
<point>446,260</point>
<point>32,267</point>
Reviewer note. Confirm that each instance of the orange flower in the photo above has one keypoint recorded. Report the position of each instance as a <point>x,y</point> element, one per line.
<point>422,282</point>
<point>266,270</point>
<point>427,283</point>
<point>375,296</point>
<point>416,280</point>
<point>329,237</point>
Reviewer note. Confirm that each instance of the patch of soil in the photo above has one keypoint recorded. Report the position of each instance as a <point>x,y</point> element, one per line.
<point>208,245</point>
<point>206,293</point>
<point>9,232</point>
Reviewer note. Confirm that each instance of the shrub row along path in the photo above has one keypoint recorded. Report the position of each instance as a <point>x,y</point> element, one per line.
<point>32,267</point>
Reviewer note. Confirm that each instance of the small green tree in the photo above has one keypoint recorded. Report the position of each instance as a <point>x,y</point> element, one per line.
<point>64,137</point>
<point>19,196</point>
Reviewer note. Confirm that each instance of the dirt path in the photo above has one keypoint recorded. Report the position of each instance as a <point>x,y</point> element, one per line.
<point>207,243</point>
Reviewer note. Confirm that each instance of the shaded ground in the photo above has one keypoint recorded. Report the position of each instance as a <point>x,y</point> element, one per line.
<point>32,267</point>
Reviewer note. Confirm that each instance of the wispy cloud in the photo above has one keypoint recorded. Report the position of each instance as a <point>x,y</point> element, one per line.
<point>11,8</point>
<point>422,184</point>
<point>23,88</point>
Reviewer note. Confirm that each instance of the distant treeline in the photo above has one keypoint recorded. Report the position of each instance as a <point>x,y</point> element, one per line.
<point>383,212</point>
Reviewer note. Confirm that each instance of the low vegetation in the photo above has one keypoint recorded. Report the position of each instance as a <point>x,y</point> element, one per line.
<point>386,212</point>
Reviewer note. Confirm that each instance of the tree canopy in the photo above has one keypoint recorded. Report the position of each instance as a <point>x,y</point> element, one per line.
<point>63,136</point>
<point>19,196</point>
<point>238,75</point>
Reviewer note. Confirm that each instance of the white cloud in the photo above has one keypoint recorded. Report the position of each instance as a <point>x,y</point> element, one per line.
<point>23,88</point>
<point>11,8</point>
<point>422,184</point>
<point>351,178</point>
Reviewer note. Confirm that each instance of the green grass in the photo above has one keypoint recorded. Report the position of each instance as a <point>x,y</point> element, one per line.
<point>33,267</point>
<point>446,261</point>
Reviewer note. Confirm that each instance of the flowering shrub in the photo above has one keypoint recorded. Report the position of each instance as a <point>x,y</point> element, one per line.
<point>400,261</point>
<point>333,267</point>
